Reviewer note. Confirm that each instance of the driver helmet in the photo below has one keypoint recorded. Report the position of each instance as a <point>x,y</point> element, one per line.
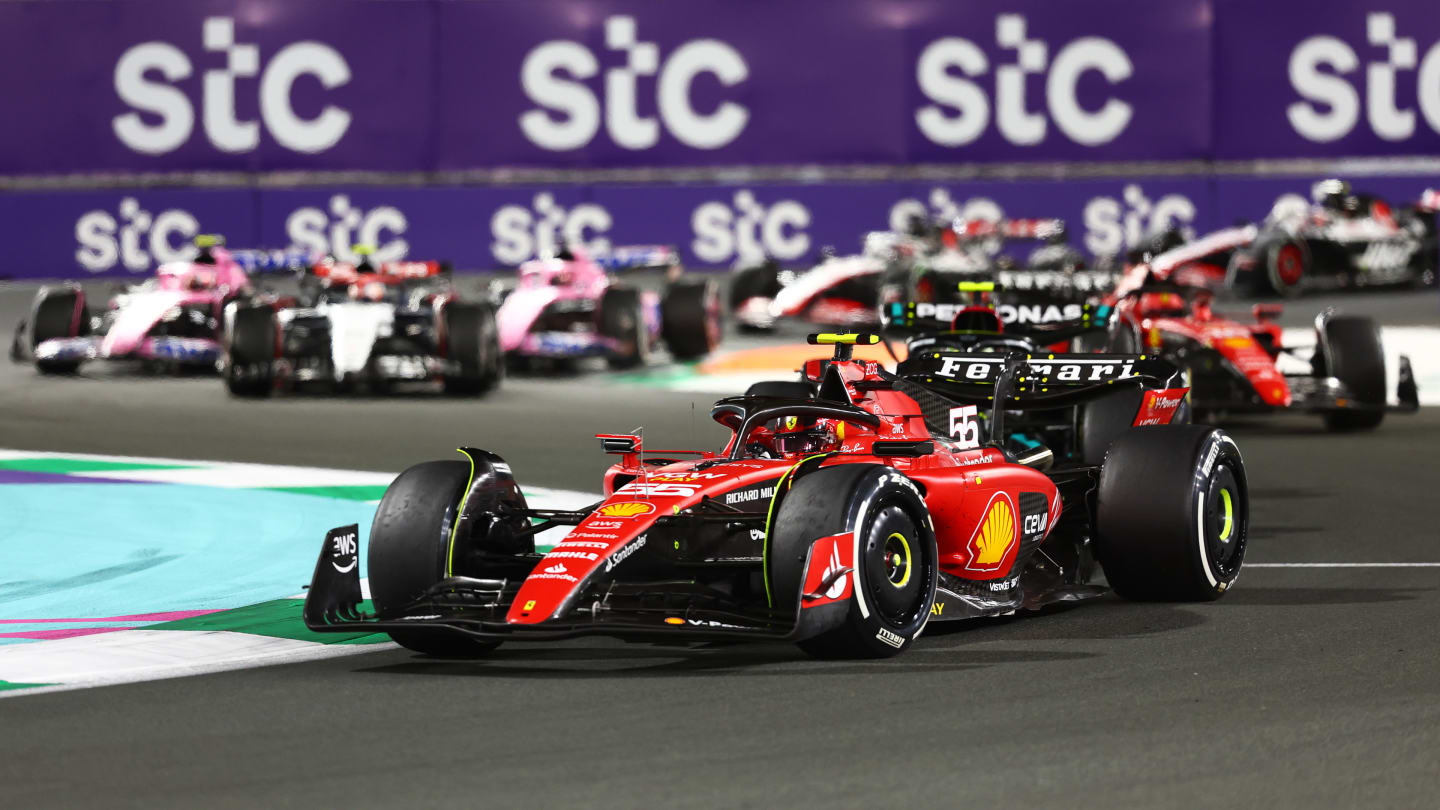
<point>800,435</point>
<point>1161,303</point>
<point>362,258</point>
<point>1331,194</point>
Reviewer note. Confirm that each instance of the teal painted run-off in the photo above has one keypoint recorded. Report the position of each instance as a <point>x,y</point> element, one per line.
<point>85,550</point>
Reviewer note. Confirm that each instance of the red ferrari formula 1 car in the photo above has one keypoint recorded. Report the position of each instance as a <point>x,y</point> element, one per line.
<point>1232,367</point>
<point>844,522</point>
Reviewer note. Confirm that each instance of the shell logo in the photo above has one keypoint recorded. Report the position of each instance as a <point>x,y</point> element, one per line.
<point>626,509</point>
<point>994,536</point>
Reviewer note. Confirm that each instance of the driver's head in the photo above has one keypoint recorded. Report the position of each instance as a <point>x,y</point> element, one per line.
<point>803,435</point>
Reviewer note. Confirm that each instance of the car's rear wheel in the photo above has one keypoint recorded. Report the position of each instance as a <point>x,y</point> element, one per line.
<point>250,369</point>
<point>1283,264</point>
<point>1348,347</point>
<point>893,584</point>
<point>474,347</point>
<point>690,319</point>
<point>58,314</point>
<point>1172,513</point>
<point>409,546</point>
<point>622,319</point>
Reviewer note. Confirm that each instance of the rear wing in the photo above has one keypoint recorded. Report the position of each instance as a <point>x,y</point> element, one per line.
<point>974,230</point>
<point>259,260</point>
<point>1044,316</point>
<point>1035,380</point>
<point>386,272</point>
<point>636,257</point>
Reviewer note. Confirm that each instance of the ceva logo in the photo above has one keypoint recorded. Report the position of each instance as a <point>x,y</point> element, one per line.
<point>960,112</point>
<point>1113,224</point>
<point>335,229</point>
<point>748,231</point>
<point>522,233</point>
<point>139,87</point>
<point>568,114</point>
<point>134,237</point>
<point>1330,109</point>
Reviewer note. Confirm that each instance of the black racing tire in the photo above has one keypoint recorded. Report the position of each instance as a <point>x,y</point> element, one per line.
<point>409,540</point>
<point>794,389</point>
<point>898,576</point>
<point>55,316</point>
<point>1102,420</point>
<point>250,369</point>
<point>1348,347</point>
<point>691,319</point>
<point>472,343</point>
<point>760,281</point>
<point>622,318</point>
<point>1172,514</point>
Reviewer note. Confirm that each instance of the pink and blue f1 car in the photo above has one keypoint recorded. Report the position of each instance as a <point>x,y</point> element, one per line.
<point>169,323</point>
<point>570,306</point>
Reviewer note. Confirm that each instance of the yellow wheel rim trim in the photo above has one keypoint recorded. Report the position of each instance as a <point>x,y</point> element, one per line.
<point>906,545</point>
<point>1229,507</point>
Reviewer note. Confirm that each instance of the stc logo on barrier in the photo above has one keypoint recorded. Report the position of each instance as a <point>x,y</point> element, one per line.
<point>138,86</point>
<point>1112,225</point>
<point>1330,110</point>
<point>522,233</point>
<point>749,231</point>
<point>960,113</point>
<point>345,225</point>
<point>136,238</point>
<point>569,113</point>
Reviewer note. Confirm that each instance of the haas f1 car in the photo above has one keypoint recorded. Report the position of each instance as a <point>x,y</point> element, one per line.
<point>569,306</point>
<point>1232,366</point>
<point>363,325</point>
<point>168,323</point>
<point>1342,240</point>
<point>845,522</point>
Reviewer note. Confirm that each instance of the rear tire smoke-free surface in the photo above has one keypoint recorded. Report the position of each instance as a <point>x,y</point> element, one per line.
<point>474,344</point>
<point>1348,347</point>
<point>690,319</point>
<point>409,540</point>
<point>1172,513</point>
<point>622,318</point>
<point>897,563</point>
<point>250,370</point>
<point>55,317</point>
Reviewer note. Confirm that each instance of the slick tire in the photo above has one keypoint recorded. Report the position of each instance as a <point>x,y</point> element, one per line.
<point>473,344</point>
<point>896,562</point>
<point>1172,514</point>
<point>58,314</point>
<point>1103,420</point>
<point>690,319</point>
<point>622,318</point>
<point>250,371</point>
<point>1348,348</point>
<point>409,541</point>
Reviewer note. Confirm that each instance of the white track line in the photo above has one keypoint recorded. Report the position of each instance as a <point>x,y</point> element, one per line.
<point>1346,565</point>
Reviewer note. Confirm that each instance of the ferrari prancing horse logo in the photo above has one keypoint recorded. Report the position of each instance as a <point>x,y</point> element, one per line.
<point>994,536</point>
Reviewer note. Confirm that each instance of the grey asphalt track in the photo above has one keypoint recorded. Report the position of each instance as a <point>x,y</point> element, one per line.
<point>1304,687</point>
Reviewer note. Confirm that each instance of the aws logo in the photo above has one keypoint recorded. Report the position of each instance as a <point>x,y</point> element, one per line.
<point>626,509</point>
<point>995,535</point>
